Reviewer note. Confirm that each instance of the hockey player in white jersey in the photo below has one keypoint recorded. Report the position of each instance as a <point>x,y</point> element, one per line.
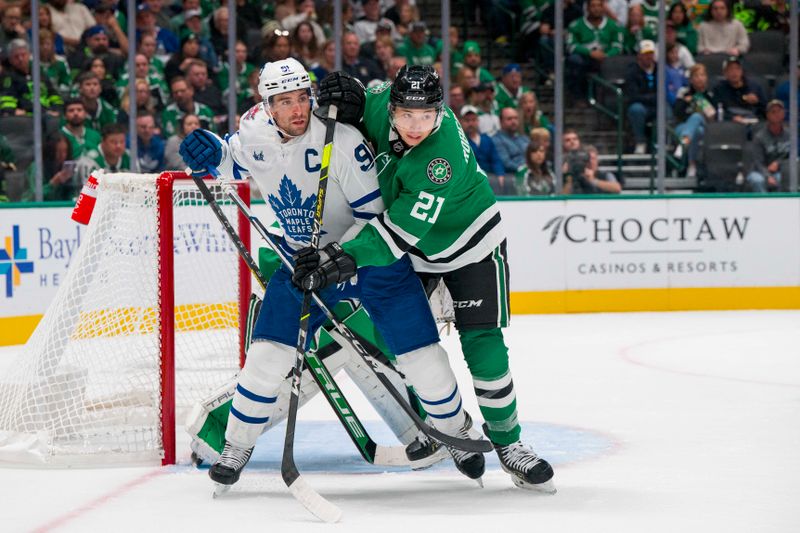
<point>279,144</point>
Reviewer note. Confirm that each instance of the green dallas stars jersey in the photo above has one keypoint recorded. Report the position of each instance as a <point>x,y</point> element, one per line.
<point>439,206</point>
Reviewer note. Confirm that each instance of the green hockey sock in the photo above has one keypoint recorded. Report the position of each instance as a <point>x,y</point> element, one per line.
<point>487,358</point>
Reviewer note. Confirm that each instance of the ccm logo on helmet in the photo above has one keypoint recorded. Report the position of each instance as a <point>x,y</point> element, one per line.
<point>415,98</point>
<point>466,304</point>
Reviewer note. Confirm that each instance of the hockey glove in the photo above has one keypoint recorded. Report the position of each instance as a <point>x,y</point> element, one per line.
<point>316,269</point>
<point>346,93</point>
<point>201,150</point>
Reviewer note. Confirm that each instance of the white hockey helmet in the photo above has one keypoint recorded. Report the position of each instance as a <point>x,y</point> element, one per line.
<point>282,76</point>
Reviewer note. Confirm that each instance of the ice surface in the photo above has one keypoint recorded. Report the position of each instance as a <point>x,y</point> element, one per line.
<point>653,421</point>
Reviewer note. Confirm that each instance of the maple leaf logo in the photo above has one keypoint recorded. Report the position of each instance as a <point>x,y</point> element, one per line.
<point>295,214</point>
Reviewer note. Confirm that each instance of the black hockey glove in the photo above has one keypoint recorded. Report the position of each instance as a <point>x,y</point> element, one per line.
<point>346,93</point>
<point>316,269</point>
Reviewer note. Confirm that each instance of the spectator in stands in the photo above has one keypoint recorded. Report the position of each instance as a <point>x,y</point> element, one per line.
<point>162,19</point>
<point>395,65</point>
<point>573,9</point>
<point>592,180</point>
<point>415,47</point>
<point>483,147</point>
<point>457,99</point>
<point>144,70</point>
<point>54,67</point>
<point>408,15</point>
<point>306,12</point>
<point>59,181</point>
<point>771,147</point>
<point>182,103</point>
<point>466,78</point>
<point>81,137</point>
<point>510,89</point>
<point>456,55</point>
<point>172,158</point>
<point>365,26</point>
<point>772,15</point>
<point>641,86</point>
<point>543,137</point>
<point>46,23</point>
<point>685,31</point>
<point>148,47</point>
<point>219,31</point>
<point>510,144</point>
<point>383,31</point>
<point>108,91</point>
<point>70,19</point>
<point>694,106</point>
<point>99,113</point>
<point>243,71</point>
<point>150,146</point>
<point>393,13</point>
<point>720,33</point>
<point>742,99</point>
<point>179,63</point>
<point>617,10</point>
<point>685,59</point>
<point>637,29</point>
<point>674,73</point>
<point>205,91</point>
<point>190,8</point>
<point>325,60</point>
<point>536,177</point>
<point>530,115</point>
<point>384,52</point>
<point>7,164</point>
<point>194,26</point>
<point>304,44</point>
<point>482,97</point>
<point>105,17</point>
<point>110,156</point>
<point>363,68</point>
<point>145,102</point>
<point>783,91</point>
<point>589,41</point>
<point>166,41</point>
<point>16,80</point>
<point>11,26</point>
<point>96,41</point>
<point>276,46</point>
<point>252,96</point>
<point>472,59</point>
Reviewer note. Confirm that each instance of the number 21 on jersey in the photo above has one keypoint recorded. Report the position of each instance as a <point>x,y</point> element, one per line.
<point>422,208</point>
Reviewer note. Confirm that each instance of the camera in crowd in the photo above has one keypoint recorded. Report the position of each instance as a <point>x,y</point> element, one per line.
<point>577,161</point>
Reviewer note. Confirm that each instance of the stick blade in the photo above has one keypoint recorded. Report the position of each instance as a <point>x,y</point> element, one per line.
<point>314,502</point>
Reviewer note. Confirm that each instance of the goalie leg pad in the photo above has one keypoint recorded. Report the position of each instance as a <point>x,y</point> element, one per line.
<point>257,390</point>
<point>428,371</point>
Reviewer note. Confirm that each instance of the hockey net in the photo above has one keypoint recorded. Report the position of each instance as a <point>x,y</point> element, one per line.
<point>148,320</point>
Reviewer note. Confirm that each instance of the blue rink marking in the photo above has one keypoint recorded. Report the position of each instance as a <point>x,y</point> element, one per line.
<point>323,446</point>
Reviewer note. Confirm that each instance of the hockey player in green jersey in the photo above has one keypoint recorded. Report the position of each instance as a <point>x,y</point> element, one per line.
<point>440,211</point>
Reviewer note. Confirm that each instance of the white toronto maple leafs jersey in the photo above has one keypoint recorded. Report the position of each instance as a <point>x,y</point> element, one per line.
<point>287,174</point>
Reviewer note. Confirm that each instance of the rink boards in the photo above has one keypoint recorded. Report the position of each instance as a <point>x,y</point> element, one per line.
<point>576,255</point>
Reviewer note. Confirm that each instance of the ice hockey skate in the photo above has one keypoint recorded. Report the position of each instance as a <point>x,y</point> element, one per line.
<point>226,471</point>
<point>471,464</point>
<point>528,470</point>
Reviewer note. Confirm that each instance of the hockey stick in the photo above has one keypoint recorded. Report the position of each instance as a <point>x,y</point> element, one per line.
<point>470,445</point>
<point>372,452</point>
<point>301,490</point>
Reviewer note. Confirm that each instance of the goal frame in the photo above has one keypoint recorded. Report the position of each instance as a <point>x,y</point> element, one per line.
<point>166,282</point>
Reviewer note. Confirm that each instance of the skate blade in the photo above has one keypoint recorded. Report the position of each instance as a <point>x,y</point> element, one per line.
<point>548,487</point>
<point>479,481</point>
<point>220,489</point>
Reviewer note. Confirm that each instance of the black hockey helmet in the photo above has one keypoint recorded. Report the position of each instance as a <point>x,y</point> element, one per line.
<point>417,86</point>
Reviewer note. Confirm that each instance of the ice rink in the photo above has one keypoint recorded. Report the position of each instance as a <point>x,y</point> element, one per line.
<point>652,421</point>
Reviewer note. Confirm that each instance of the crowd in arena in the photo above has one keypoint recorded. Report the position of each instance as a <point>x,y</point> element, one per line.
<point>725,62</point>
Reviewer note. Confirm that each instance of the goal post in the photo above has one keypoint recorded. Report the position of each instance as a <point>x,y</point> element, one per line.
<point>150,318</point>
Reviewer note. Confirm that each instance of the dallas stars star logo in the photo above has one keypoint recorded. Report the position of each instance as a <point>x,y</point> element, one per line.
<point>439,171</point>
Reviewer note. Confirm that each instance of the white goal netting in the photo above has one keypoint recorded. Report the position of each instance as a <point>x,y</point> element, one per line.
<point>87,388</point>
